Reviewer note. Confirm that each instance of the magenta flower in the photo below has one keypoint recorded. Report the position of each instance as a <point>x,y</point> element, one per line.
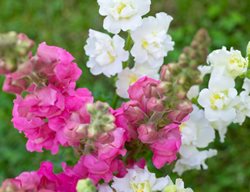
<point>47,118</point>
<point>42,180</point>
<point>166,146</point>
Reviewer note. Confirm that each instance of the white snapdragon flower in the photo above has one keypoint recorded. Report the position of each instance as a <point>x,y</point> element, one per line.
<point>197,130</point>
<point>151,42</point>
<point>192,158</point>
<point>246,85</point>
<point>106,54</point>
<point>177,187</point>
<point>242,107</point>
<point>229,63</point>
<point>138,179</point>
<point>218,99</point>
<point>104,188</point>
<point>129,76</point>
<point>204,70</point>
<point>193,92</point>
<point>221,127</point>
<point>123,14</point>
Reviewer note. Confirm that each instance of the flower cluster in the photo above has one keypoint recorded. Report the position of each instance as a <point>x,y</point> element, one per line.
<point>222,102</point>
<point>157,122</point>
<point>43,179</point>
<point>222,105</point>
<point>138,179</point>
<point>147,41</point>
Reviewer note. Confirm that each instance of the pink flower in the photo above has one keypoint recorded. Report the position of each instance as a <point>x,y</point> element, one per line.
<point>90,166</point>
<point>47,117</point>
<point>104,161</point>
<point>166,146</point>
<point>147,133</point>
<point>51,65</point>
<point>110,145</point>
<point>144,87</point>
<point>57,65</point>
<point>42,180</point>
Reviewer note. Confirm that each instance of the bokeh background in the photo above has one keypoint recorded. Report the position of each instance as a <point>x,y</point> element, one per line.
<point>65,23</point>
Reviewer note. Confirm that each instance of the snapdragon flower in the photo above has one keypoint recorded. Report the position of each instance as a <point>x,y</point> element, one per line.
<point>177,187</point>
<point>242,107</point>
<point>218,99</point>
<point>123,14</point>
<point>151,42</point>
<point>129,76</point>
<point>192,158</point>
<point>197,130</point>
<point>138,179</point>
<point>106,54</point>
<point>229,63</point>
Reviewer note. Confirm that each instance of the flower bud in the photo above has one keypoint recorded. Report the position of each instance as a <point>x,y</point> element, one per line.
<point>85,185</point>
<point>155,104</point>
<point>101,119</point>
<point>147,133</point>
<point>133,112</point>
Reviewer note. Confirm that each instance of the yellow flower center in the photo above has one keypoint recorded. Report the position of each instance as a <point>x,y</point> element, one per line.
<point>132,79</point>
<point>237,65</point>
<point>120,7</point>
<point>217,100</point>
<point>170,188</point>
<point>182,126</point>
<point>141,187</point>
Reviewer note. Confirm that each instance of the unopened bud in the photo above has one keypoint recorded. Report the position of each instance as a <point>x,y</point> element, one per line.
<point>85,185</point>
<point>248,49</point>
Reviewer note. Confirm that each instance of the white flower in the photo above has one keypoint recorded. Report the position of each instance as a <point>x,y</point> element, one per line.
<point>193,92</point>
<point>177,187</point>
<point>104,188</point>
<point>151,42</point>
<point>197,131</point>
<point>204,70</point>
<point>106,54</point>
<point>221,127</point>
<point>129,76</point>
<point>246,85</point>
<point>138,179</point>
<point>192,158</point>
<point>242,107</point>
<point>123,14</point>
<point>230,63</point>
<point>218,99</point>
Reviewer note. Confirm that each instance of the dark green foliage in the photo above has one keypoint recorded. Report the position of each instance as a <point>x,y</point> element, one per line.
<point>65,23</point>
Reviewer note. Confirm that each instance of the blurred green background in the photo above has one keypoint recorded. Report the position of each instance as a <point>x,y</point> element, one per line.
<point>65,23</point>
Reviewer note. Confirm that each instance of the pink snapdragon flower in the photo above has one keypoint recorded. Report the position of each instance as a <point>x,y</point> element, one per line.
<point>104,161</point>
<point>42,180</point>
<point>166,147</point>
<point>57,65</point>
<point>140,117</point>
<point>46,117</point>
<point>51,65</point>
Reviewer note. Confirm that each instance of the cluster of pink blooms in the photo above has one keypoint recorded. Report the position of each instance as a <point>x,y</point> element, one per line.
<point>51,112</point>
<point>140,118</point>
<point>42,180</point>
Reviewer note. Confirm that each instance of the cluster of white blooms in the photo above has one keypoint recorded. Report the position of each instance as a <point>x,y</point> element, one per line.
<point>148,42</point>
<point>222,103</point>
<point>138,179</point>
<point>196,134</point>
